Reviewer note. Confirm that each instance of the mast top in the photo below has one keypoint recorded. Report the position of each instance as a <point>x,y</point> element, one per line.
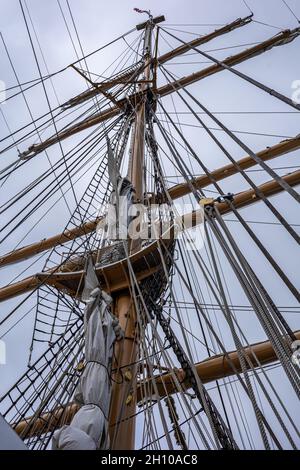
<point>156,20</point>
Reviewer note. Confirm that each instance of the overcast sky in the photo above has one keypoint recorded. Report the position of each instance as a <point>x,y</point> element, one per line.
<point>98,22</point>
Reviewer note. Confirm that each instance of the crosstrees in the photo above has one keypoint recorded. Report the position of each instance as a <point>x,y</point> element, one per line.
<point>162,59</point>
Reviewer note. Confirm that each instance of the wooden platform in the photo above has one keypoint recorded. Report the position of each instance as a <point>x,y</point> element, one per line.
<point>113,277</point>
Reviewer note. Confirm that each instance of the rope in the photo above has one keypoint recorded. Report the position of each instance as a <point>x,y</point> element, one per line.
<point>247,6</point>
<point>290,9</point>
<point>265,440</point>
<point>259,417</point>
<point>46,95</point>
<point>259,193</point>
<point>249,151</point>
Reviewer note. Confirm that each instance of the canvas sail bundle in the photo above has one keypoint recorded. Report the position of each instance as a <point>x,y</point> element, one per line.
<point>89,427</point>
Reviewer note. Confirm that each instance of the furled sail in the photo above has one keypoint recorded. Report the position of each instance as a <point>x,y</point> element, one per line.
<point>117,218</point>
<point>89,427</point>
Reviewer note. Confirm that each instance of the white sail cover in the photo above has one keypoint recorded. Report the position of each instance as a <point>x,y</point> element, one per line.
<point>89,427</point>
<point>117,218</point>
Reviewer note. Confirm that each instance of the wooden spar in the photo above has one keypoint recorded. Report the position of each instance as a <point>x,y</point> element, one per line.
<point>202,181</point>
<point>240,200</point>
<point>204,39</point>
<point>43,245</point>
<point>213,368</point>
<point>165,90</point>
<point>53,420</point>
<point>128,76</point>
<point>270,188</point>
<point>246,198</point>
<point>217,367</point>
<point>155,20</point>
<point>264,46</point>
<point>175,192</point>
<point>155,62</point>
<point>18,288</point>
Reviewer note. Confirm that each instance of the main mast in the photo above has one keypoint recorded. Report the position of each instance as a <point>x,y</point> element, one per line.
<point>123,402</point>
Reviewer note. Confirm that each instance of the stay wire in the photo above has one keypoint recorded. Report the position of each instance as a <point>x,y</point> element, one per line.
<point>248,7</point>
<point>290,9</point>
<point>37,63</point>
<point>269,205</point>
<point>255,157</point>
<point>47,99</point>
<point>260,246</point>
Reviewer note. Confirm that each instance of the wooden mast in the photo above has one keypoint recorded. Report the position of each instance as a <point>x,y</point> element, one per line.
<point>123,402</point>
